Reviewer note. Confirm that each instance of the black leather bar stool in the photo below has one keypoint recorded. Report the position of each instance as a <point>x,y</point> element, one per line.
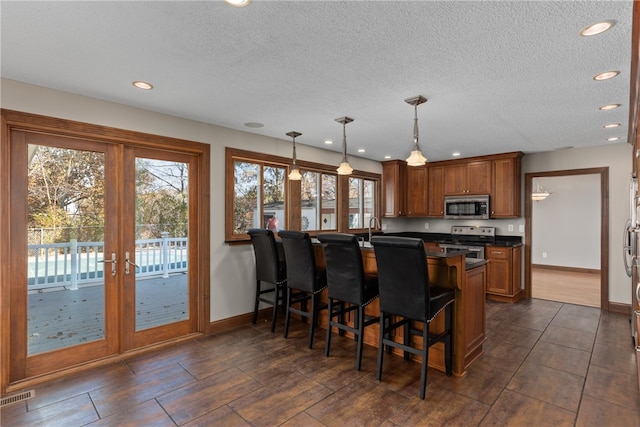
<point>270,268</point>
<point>305,280</point>
<point>349,289</point>
<point>405,292</point>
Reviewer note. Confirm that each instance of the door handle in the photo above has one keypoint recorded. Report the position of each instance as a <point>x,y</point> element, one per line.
<point>128,263</point>
<point>113,263</point>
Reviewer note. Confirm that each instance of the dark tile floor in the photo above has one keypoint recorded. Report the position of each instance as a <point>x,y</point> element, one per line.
<point>545,363</point>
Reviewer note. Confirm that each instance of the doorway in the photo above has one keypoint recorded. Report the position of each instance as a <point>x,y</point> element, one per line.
<point>567,275</point>
<point>106,249</point>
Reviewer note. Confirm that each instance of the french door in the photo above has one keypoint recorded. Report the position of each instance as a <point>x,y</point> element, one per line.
<point>103,249</point>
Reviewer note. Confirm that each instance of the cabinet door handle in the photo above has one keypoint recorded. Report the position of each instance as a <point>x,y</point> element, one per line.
<point>497,253</point>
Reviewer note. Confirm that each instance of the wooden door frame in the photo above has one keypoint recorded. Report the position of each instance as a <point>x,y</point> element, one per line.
<point>604,226</point>
<point>10,120</point>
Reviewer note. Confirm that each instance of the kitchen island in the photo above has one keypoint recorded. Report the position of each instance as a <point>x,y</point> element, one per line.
<point>448,270</point>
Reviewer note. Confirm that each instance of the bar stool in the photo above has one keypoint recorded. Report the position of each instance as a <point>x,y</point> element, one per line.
<point>305,280</point>
<point>270,268</point>
<point>405,292</point>
<point>349,289</point>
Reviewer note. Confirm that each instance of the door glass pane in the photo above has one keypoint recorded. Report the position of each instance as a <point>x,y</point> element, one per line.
<point>273,209</point>
<point>65,248</point>
<point>161,269</point>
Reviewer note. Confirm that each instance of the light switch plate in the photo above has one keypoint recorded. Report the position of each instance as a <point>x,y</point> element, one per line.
<point>521,228</point>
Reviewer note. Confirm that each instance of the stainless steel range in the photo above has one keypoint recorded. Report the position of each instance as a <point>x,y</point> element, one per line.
<point>470,238</point>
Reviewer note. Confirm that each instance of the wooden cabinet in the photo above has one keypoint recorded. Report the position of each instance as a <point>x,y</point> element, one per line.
<point>505,187</point>
<point>419,191</point>
<point>435,198</point>
<point>474,316</point>
<point>431,247</point>
<point>467,178</point>
<point>416,191</point>
<point>394,181</point>
<point>504,271</point>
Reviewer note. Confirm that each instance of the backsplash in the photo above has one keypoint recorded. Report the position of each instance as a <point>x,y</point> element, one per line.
<point>437,225</point>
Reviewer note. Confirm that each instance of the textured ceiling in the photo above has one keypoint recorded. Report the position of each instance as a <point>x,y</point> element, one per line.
<point>500,76</point>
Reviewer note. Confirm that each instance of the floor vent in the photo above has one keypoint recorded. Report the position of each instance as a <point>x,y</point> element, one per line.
<point>10,400</point>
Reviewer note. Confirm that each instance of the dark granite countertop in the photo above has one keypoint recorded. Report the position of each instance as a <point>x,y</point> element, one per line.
<point>510,241</point>
<point>367,246</point>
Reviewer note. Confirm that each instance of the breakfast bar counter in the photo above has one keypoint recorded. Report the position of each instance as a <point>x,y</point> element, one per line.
<point>448,270</point>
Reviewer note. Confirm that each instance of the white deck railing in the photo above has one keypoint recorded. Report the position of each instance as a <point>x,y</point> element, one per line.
<point>75,263</point>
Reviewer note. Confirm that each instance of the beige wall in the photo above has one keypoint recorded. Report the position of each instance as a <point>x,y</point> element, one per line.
<point>232,267</point>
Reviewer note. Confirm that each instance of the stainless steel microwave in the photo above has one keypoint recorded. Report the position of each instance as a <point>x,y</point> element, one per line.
<point>466,207</point>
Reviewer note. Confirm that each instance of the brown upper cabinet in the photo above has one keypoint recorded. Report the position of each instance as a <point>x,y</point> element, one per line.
<point>419,191</point>
<point>505,186</point>
<point>467,178</point>
<point>394,181</point>
<point>435,197</point>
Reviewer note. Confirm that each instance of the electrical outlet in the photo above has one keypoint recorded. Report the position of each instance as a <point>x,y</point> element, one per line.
<point>544,254</point>
<point>510,227</point>
<point>426,225</point>
<point>384,226</point>
<point>521,228</point>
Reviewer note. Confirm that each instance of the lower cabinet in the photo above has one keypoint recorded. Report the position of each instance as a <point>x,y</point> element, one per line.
<point>504,272</point>
<point>474,313</point>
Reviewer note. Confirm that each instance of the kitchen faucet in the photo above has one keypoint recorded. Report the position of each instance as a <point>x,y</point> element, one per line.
<point>375,221</point>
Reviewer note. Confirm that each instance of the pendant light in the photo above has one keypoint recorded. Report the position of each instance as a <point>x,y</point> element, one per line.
<point>539,193</point>
<point>294,175</point>
<point>416,158</point>
<point>345,168</point>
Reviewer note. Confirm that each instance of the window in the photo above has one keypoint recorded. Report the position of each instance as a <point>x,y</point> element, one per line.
<point>362,202</point>
<point>318,201</point>
<point>258,193</point>
<point>258,197</point>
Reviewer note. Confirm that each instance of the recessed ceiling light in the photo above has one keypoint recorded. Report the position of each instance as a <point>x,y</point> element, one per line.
<point>614,138</point>
<point>606,75</point>
<point>609,107</point>
<point>456,154</point>
<point>360,150</point>
<point>328,141</point>
<point>387,157</point>
<point>238,3</point>
<point>611,125</point>
<point>253,125</point>
<point>142,85</point>
<point>597,28</point>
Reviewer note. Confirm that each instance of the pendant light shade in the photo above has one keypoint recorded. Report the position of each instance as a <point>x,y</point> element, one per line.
<point>416,158</point>
<point>344,168</point>
<point>294,175</point>
<point>539,193</point>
